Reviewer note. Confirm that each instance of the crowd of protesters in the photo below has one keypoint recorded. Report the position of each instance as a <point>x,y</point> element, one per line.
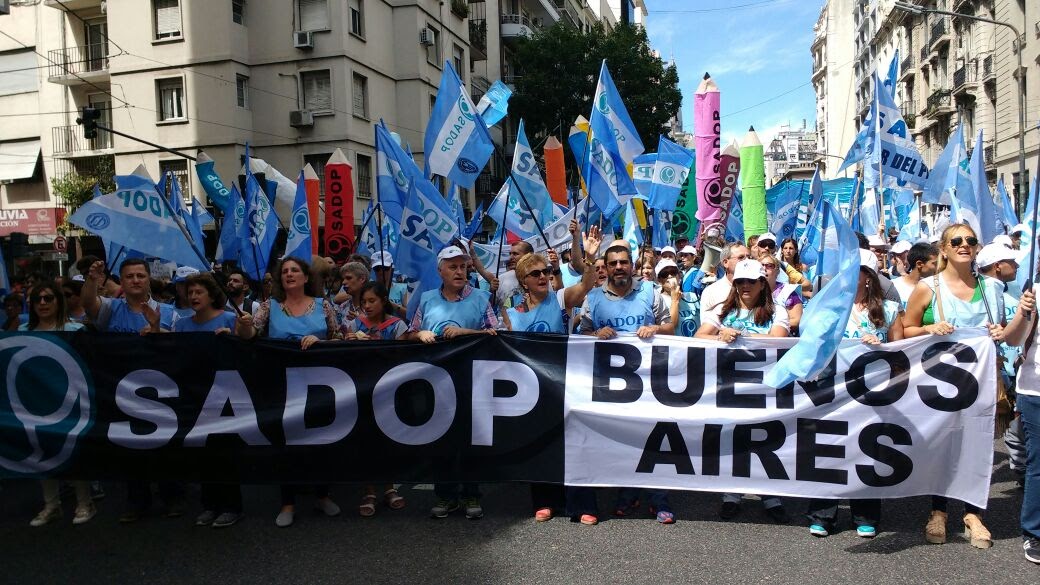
<point>719,291</point>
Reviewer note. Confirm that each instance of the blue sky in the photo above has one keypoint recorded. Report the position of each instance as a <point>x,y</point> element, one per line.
<point>755,50</point>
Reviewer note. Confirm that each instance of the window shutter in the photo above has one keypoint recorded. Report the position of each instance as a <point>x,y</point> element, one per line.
<point>318,90</point>
<point>313,14</point>
<point>359,96</point>
<point>167,18</point>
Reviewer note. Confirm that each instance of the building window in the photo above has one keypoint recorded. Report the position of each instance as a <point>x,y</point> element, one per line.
<point>179,169</point>
<point>357,17</point>
<point>317,90</point>
<point>458,58</point>
<point>238,11</point>
<point>167,19</point>
<point>360,96</point>
<point>433,50</point>
<point>171,98</point>
<point>364,176</point>
<point>312,14</point>
<point>242,91</point>
<point>317,162</point>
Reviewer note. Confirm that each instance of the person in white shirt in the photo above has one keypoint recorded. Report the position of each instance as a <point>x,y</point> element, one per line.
<point>921,262</point>
<point>718,291</point>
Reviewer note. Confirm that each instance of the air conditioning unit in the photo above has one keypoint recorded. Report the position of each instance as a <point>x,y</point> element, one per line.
<point>303,39</point>
<point>301,119</point>
<point>426,37</point>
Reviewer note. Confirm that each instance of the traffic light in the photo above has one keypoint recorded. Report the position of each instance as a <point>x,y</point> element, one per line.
<point>88,119</point>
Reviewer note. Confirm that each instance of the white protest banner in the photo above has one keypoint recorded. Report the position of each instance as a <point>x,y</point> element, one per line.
<point>908,418</point>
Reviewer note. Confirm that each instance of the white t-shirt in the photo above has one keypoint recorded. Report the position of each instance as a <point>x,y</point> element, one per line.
<point>743,320</point>
<point>905,289</point>
<point>714,295</point>
<point>508,288</point>
<point>1029,373</point>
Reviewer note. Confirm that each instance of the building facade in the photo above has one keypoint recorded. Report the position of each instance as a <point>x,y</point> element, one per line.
<point>791,154</point>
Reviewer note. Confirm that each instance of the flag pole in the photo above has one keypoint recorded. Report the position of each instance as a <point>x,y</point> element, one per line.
<point>823,246</point>
<point>537,224</point>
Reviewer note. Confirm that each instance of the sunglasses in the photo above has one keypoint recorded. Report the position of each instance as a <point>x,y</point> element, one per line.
<point>45,299</point>
<point>540,273</point>
<point>956,242</point>
<point>744,281</point>
<point>767,244</point>
<point>769,266</point>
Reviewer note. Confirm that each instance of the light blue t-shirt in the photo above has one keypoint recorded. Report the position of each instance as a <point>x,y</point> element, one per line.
<point>439,313</point>
<point>282,326</point>
<point>115,316</point>
<point>689,314</point>
<point>743,320</point>
<point>547,317</point>
<point>188,324</point>
<point>859,324</point>
<point>69,326</point>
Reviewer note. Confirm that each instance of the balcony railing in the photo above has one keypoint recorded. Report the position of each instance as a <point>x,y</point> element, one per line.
<point>939,99</point>
<point>987,154</point>
<point>987,69</point>
<point>78,60</point>
<point>940,30</point>
<point>909,110</point>
<point>521,19</point>
<point>924,55</point>
<point>69,140</point>
<point>478,87</point>
<point>907,63</point>
<point>964,75</point>
<point>478,35</point>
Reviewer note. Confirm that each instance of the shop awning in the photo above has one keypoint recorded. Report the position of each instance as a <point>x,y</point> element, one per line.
<point>18,159</point>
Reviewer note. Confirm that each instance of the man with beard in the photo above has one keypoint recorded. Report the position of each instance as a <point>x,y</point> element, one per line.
<point>237,289</point>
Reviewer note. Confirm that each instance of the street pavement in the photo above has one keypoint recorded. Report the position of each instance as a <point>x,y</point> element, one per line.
<point>507,546</point>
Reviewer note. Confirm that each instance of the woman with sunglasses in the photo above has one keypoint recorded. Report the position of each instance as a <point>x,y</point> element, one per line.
<point>955,297</point>
<point>48,312</point>
<point>873,320</point>
<point>785,294</point>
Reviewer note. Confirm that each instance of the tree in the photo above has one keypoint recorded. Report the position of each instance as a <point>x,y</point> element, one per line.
<point>74,189</point>
<point>559,66</point>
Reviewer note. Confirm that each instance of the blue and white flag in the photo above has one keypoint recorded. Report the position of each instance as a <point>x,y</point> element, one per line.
<point>1008,216</point>
<point>115,253</point>
<point>193,225</point>
<point>643,174</point>
<point>893,75</point>
<point>988,216</point>
<point>529,184</point>
<point>474,222</point>
<point>670,172</point>
<point>229,245</point>
<point>298,238</point>
<point>1022,277</point>
<point>395,170</point>
<point>908,216</point>
<point>259,229</point>
<point>455,204</point>
<point>632,234</point>
<point>827,314</point>
<point>216,190</point>
<point>661,230</point>
<point>426,227</point>
<point>892,153</point>
<point>371,240</point>
<point>506,205</point>
<point>457,143</point>
<point>964,207</point>
<point>735,219</point>
<point>495,104</point>
<point>139,220</point>
<point>786,205</point>
<point>935,190</point>
<point>607,104</point>
<point>608,182</point>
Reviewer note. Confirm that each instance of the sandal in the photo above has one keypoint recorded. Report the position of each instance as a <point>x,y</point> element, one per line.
<point>392,499</point>
<point>665,517</point>
<point>543,514</point>
<point>367,508</point>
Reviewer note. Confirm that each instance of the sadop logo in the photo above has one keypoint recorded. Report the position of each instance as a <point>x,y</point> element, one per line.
<point>301,221</point>
<point>668,175</point>
<point>603,104</point>
<point>467,166</point>
<point>47,405</point>
<point>464,108</point>
<point>98,221</point>
<point>439,328</point>
<point>540,327</point>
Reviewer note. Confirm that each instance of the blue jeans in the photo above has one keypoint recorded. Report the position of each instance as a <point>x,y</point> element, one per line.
<point>1029,406</point>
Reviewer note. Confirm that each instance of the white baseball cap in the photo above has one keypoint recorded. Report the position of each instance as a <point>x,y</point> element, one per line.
<point>875,241</point>
<point>383,259</point>
<point>990,254</point>
<point>867,259</point>
<point>667,249</point>
<point>901,246</point>
<point>767,237</point>
<point>182,273</point>
<point>688,249</point>
<point>450,252</point>
<point>1020,228</point>
<point>1003,240</point>
<point>664,263</point>
<point>749,269</point>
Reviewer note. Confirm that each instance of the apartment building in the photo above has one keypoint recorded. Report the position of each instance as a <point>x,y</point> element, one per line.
<point>295,79</point>
<point>791,154</point>
<point>833,80</point>
<point>953,70</point>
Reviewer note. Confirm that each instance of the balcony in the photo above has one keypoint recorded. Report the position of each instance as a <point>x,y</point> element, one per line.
<point>988,153</point>
<point>819,69</point>
<point>924,56</point>
<point>939,103</point>
<point>478,87</point>
<point>518,25</point>
<point>78,65</point>
<point>965,78</point>
<point>907,67</point>
<point>568,13</point>
<point>909,112</point>
<point>74,5</point>
<point>940,33</point>
<point>68,141</point>
<point>478,39</point>
<point>989,74</point>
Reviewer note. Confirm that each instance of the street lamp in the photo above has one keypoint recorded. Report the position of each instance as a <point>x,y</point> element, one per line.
<point>1019,75</point>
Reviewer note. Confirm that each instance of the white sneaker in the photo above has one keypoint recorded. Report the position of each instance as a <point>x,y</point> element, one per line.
<point>327,507</point>
<point>46,516</point>
<point>84,514</point>
<point>284,518</point>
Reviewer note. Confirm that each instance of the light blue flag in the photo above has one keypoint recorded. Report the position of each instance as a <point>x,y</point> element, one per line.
<point>457,143</point>
<point>607,104</point>
<point>191,223</point>
<point>908,216</point>
<point>935,190</point>
<point>1028,244</point>
<point>474,223</point>
<point>893,75</point>
<point>230,244</point>
<point>632,234</point>
<point>735,219</point>
<point>216,190</point>
<point>608,182</point>
<point>495,104</point>
<point>517,218</point>
<point>426,228</point>
<point>988,219</point>
<point>260,227</point>
<point>643,174</point>
<point>140,220</point>
<point>787,200</point>
<point>371,240</point>
<point>298,238</point>
<point>964,206</point>
<point>115,253</point>
<point>868,219</point>
<point>892,153</point>
<point>579,144</point>
<point>1008,218</point>
<point>827,314</point>
<point>810,245</point>
<point>670,172</point>
<point>661,233</point>
<point>528,181</point>
<point>395,170</point>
